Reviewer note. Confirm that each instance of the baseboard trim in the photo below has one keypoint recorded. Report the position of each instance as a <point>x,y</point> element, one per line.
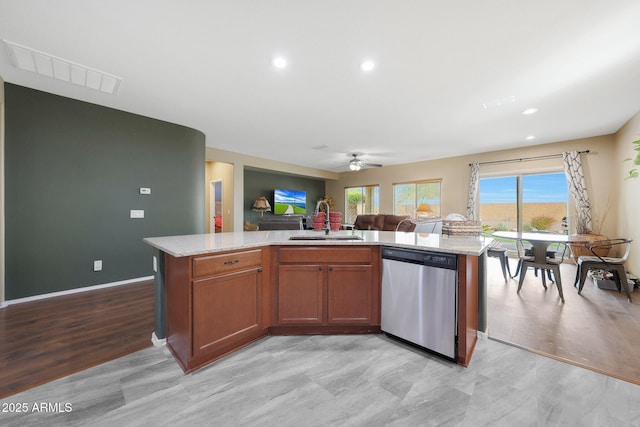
<point>74,291</point>
<point>156,341</point>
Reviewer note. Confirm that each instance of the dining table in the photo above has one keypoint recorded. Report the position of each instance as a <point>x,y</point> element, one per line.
<point>539,241</point>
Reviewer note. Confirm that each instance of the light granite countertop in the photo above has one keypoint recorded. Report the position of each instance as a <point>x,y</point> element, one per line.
<point>198,244</point>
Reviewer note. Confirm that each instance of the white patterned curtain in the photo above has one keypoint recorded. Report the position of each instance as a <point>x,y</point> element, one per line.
<point>578,189</point>
<point>473,192</point>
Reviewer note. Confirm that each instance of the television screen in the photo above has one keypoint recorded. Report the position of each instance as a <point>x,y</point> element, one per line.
<point>288,202</point>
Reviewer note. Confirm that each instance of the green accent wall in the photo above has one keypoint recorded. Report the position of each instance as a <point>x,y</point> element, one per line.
<point>73,172</point>
<point>262,183</point>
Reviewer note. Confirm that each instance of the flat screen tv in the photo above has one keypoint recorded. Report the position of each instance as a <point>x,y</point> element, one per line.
<point>289,202</point>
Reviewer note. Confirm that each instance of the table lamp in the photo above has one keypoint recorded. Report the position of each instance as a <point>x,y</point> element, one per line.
<point>261,205</point>
<point>423,210</point>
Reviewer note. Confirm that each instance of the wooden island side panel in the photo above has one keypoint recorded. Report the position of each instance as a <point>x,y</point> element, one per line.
<point>467,307</point>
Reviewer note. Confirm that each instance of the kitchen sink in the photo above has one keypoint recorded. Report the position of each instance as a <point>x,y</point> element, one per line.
<point>327,237</point>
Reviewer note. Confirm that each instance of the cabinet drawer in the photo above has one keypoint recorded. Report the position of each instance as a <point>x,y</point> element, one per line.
<point>326,254</point>
<point>224,263</point>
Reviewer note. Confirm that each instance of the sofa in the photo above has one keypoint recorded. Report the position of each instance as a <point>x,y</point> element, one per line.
<point>383,222</point>
<point>284,222</point>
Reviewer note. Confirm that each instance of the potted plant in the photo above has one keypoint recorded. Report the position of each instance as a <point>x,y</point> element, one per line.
<point>586,235</point>
<point>633,172</point>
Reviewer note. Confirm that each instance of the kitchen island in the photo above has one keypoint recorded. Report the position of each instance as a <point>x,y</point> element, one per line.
<point>218,292</point>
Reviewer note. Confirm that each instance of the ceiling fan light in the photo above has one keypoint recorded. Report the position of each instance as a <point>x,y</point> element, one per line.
<point>279,62</point>
<point>355,165</point>
<point>367,66</point>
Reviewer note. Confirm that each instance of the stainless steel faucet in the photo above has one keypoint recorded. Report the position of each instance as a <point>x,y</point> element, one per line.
<point>326,217</point>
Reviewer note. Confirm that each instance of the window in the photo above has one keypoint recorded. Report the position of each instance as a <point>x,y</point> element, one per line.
<point>535,202</point>
<point>360,200</point>
<point>417,199</point>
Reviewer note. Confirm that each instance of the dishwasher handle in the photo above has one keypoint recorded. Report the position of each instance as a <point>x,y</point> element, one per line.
<point>429,258</point>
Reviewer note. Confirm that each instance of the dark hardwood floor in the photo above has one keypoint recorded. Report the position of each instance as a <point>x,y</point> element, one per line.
<point>598,330</point>
<point>48,339</point>
<point>54,337</point>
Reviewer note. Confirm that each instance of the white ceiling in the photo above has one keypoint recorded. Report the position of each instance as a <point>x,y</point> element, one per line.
<point>207,65</point>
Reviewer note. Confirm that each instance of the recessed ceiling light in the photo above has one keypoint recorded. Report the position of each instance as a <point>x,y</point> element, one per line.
<point>530,111</point>
<point>530,137</point>
<point>279,62</point>
<point>367,66</point>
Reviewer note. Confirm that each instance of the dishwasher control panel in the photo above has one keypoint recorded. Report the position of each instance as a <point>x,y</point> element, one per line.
<point>433,259</point>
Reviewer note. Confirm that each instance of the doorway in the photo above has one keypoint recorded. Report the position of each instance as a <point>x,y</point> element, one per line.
<point>216,208</point>
<point>528,202</point>
<point>218,193</point>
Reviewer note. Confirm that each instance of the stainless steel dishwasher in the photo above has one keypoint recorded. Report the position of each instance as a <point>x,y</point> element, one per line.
<point>419,298</point>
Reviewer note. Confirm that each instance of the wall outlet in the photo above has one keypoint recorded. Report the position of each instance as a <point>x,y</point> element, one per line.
<point>145,190</point>
<point>137,213</point>
<point>97,265</point>
<point>155,264</point>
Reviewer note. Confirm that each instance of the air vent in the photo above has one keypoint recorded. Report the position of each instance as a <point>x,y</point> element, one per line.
<point>42,63</point>
<point>495,103</point>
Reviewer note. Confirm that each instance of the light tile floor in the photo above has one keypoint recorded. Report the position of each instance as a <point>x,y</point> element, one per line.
<point>353,380</point>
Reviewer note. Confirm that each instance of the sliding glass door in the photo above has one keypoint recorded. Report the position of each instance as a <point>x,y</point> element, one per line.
<point>535,202</point>
<point>499,203</point>
<point>545,199</point>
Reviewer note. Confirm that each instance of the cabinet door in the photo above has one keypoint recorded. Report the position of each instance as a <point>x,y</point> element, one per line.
<point>300,294</point>
<point>226,309</point>
<point>349,293</point>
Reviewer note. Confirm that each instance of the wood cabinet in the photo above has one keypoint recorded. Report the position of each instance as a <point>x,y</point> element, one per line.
<point>219,302</point>
<point>300,294</point>
<point>214,305</point>
<point>328,286</point>
<point>349,290</point>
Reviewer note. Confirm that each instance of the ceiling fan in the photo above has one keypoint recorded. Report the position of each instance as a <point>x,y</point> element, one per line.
<point>356,164</point>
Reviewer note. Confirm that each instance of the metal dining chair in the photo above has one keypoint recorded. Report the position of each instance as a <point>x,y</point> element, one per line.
<point>613,264</point>
<point>495,251</point>
<point>543,262</point>
<point>529,252</point>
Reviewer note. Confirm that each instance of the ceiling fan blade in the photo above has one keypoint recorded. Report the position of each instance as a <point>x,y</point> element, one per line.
<point>371,165</point>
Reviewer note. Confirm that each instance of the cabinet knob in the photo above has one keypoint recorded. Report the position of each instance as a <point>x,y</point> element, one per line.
<point>319,268</point>
<point>330,268</point>
<point>259,269</point>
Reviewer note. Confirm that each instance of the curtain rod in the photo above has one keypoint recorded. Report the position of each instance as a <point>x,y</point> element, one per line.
<point>526,159</point>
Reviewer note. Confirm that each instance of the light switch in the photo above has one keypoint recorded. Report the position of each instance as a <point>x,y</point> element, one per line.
<point>97,265</point>
<point>137,213</point>
<point>155,264</point>
<point>144,190</point>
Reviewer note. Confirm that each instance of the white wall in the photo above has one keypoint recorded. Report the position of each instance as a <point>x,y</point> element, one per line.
<point>629,189</point>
